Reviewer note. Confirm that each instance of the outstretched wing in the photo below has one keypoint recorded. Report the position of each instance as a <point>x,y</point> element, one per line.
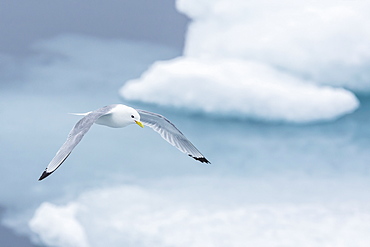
<point>170,133</point>
<point>74,137</point>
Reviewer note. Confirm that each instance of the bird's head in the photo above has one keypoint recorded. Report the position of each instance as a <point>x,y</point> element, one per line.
<point>135,117</point>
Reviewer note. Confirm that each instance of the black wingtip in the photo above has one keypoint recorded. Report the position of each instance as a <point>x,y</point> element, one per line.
<point>201,159</point>
<point>44,175</point>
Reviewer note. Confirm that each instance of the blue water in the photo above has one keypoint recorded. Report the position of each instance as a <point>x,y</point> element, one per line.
<point>253,163</point>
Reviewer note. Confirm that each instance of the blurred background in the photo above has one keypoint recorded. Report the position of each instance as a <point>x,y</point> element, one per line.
<point>275,95</point>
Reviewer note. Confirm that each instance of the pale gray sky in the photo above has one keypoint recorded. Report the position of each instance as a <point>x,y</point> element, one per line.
<point>22,22</point>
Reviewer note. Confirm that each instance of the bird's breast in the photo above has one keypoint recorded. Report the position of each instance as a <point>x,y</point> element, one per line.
<point>112,120</point>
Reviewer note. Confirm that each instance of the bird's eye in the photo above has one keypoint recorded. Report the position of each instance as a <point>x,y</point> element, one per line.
<point>132,116</point>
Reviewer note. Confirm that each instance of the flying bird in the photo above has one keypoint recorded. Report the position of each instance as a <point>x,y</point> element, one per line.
<point>119,116</point>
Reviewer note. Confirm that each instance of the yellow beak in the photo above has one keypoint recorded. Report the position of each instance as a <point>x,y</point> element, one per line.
<point>139,123</point>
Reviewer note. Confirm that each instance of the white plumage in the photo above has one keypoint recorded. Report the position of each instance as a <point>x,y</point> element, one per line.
<point>119,116</point>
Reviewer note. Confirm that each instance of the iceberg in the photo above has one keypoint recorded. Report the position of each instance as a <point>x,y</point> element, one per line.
<point>57,226</point>
<point>234,88</point>
<point>292,62</point>
<point>183,215</point>
<point>324,41</point>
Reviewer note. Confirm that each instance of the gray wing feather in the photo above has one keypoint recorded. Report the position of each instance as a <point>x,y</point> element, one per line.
<point>171,134</point>
<point>74,137</point>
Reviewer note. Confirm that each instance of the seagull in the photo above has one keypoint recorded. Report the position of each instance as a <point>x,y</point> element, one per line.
<point>119,116</point>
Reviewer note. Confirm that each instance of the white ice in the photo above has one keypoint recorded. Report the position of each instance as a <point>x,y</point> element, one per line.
<point>234,88</point>
<point>319,46</point>
<point>236,213</point>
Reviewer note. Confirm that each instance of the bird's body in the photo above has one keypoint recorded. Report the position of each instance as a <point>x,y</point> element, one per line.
<point>119,116</point>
